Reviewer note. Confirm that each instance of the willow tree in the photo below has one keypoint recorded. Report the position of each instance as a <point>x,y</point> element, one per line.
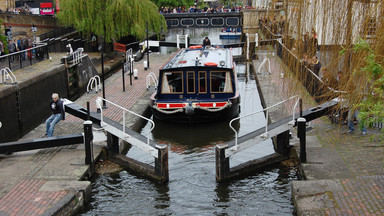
<point>111,19</point>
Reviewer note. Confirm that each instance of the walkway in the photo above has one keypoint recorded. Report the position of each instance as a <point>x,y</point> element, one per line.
<point>344,172</point>
<point>43,182</point>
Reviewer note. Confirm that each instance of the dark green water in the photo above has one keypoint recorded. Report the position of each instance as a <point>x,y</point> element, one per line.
<point>192,188</point>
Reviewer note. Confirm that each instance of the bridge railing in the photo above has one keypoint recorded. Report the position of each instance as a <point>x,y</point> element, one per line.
<point>99,104</point>
<point>264,135</point>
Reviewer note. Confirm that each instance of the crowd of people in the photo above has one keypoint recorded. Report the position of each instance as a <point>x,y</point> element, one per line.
<point>198,9</point>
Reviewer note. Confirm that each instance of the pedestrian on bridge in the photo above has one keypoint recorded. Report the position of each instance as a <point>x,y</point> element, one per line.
<point>58,114</point>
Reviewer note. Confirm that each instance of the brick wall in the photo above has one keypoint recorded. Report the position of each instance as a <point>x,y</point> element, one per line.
<point>21,23</point>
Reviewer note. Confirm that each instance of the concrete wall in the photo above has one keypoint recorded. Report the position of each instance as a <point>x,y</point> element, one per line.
<point>34,100</point>
<point>21,24</point>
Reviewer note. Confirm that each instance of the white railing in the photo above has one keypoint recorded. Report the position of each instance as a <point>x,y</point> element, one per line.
<point>94,82</point>
<point>263,63</point>
<point>7,74</point>
<point>151,78</point>
<point>128,55</point>
<point>264,135</point>
<point>77,56</point>
<point>178,37</point>
<point>99,104</point>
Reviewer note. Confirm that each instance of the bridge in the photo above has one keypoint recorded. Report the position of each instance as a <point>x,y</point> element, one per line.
<point>204,20</point>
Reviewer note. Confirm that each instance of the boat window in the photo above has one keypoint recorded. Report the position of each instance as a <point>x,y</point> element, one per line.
<point>172,82</point>
<point>202,82</point>
<point>221,82</point>
<point>191,82</point>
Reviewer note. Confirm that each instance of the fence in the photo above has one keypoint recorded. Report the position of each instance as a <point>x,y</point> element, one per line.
<point>24,58</point>
<point>311,81</point>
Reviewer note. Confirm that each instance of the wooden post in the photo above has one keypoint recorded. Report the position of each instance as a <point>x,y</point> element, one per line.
<point>88,137</point>
<point>282,143</point>
<point>222,163</point>
<point>301,122</point>
<point>161,163</point>
<point>113,143</point>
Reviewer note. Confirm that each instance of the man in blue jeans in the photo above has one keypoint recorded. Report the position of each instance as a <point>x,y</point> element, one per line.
<point>57,108</point>
<point>351,116</point>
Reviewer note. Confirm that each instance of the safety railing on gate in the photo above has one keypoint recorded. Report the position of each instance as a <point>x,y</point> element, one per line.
<point>264,135</point>
<point>99,104</point>
<point>7,74</point>
<point>151,78</point>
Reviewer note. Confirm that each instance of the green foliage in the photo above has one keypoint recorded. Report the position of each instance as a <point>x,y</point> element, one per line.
<point>3,38</point>
<point>111,18</point>
<point>173,3</point>
<point>371,108</point>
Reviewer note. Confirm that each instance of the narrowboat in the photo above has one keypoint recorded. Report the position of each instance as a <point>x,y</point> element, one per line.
<point>230,33</point>
<point>198,84</point>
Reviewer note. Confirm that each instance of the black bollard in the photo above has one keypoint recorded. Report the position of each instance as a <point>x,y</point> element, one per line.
<point>301,107</point>
<point>88,137</point>
<point>301,125</point>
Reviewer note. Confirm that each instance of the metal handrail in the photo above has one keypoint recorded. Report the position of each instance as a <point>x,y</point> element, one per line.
<point>7,74</point>
<point>94,80</point>
<point>25,50</point>
<point>99,104</point>
<point>151,77</point>
<point>265,135</point>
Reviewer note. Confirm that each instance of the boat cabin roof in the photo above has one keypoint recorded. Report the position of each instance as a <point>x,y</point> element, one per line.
<point>198,56</point>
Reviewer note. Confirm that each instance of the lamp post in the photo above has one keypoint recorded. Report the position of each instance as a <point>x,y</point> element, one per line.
<point>147,47</point>
<point>101,48</point>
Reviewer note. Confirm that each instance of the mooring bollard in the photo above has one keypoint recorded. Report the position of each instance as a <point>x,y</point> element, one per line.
<point>161,163</point>
<point>301,125</point>
<point>88,137</point>
<point>222,163</point>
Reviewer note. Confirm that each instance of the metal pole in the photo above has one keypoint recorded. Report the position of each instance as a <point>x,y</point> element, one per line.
<point>88,111</point>
<point>147,47</point>
<point>130,70</point>
<point>102,69</point>
<point>301,122</point>
<point>122,71</point>
<point>301,107</point>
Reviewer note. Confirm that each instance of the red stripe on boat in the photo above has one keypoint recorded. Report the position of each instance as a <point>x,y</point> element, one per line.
<point>212,105</point>
<point>170,105</point>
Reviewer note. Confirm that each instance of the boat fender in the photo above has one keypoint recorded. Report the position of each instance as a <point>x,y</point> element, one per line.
<point>189,110</point>
<point>196,47</point>
<point>210,64</point>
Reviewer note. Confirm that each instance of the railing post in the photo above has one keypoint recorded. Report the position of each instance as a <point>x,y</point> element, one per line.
<point>301,122</point>
<point>161,163</point>
<point>113,143</point>
<point>88,137</point>
<point>222,163</point>
<point>20,59</point>
<point>9,61</point>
